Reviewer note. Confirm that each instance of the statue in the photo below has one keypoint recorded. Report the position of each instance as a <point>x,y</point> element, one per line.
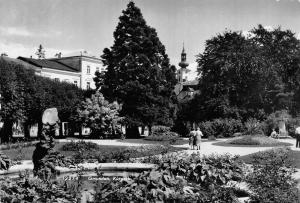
<point>45,146</point>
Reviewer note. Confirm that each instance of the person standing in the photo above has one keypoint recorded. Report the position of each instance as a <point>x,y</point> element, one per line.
<point>192,138</point>
<point>274,134</point>
<point>297,132</point>
<point>197,141</point>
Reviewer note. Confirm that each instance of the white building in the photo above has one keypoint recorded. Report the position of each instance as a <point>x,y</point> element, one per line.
<point>79,70</point>
<point>187,80</point>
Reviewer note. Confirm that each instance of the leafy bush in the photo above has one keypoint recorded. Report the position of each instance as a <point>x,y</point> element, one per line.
<point>271,179</point>
<point>78,146</point>
<point>159,130</point>
<point>35,190</point>
<point>168,136</point>
<point>178,179</point>
<point>208,171</point>
<point>123,155</point>
<point>5,162</point>
<point>221,127</point>
<point>162,133</point>
<point>253,127</point>
<point>99,115</point>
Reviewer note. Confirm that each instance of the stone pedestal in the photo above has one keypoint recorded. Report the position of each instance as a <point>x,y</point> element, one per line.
<point>282,128</point>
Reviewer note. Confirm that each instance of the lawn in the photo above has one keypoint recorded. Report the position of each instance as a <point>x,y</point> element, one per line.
<point>293,155</point>
<point>25,153</point>
<point>252,141</point>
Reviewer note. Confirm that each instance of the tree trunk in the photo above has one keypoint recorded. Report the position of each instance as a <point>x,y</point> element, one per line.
<point>40,128</point>
<point>6,131</point>
<point>150,130</point>
<point>132,132</point>
<point>26,131</point>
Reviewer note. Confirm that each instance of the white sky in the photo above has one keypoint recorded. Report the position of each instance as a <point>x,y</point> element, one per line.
<point>71,25</point>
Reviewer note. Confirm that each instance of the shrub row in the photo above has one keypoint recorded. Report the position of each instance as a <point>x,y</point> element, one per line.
<point>120,156</point>
<point>228,127</point>
<point>162,133</point>
<point>221,127</point>
<point>17,145</point>
<point>80,146</point>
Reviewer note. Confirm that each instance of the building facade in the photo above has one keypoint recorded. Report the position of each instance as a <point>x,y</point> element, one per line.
<point>78,70</point>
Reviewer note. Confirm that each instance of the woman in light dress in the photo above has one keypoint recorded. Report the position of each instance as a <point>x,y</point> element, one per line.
<point>197,138</point>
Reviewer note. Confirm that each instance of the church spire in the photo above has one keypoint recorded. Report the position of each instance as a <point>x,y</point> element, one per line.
<point>183,63</point>
<point>183,50</point>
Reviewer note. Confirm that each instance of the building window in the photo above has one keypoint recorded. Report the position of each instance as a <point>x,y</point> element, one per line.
<point>97,69</point>
<point>88,70</point>
<point>76,83</point>
<point>88,85</point>
<point>56,79</point>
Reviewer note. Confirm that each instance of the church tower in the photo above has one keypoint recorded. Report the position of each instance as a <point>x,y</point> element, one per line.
<point>183,64</point>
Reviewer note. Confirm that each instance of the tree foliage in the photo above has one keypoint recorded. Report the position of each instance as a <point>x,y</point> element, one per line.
<point>247,76</point>
<point>40,52</point>
<point>138,74</point>
<point>99,115</point>
<point>24,97</point>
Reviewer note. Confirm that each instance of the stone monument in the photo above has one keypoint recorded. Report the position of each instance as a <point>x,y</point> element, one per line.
<point>45,146</point>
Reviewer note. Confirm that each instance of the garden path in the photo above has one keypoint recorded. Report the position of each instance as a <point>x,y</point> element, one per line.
<point>208,148</point>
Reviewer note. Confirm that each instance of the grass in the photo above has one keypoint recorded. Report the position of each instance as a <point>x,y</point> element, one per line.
<point>252,141</point>
<point>26,152</point>
<point>293,155</point>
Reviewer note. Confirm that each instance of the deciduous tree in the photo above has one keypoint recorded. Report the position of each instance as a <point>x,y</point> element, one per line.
<point>99,115</point>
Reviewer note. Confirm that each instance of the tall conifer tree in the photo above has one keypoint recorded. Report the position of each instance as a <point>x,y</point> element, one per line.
<point>138,75</point>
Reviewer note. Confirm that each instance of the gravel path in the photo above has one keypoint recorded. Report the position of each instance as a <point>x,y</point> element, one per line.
<point>116,142</point>
<point>208,148</point>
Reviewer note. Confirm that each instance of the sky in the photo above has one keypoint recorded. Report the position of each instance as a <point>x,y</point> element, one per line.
<point>70,26</point>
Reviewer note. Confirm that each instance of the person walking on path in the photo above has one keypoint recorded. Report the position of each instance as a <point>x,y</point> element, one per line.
<point>274,134</point>
<point>192,138</point>
<point>197,139</point>
<point>297,132</point>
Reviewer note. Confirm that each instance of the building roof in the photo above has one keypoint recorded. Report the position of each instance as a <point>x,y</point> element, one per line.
<point>20,62</point>
<point>45,63</point>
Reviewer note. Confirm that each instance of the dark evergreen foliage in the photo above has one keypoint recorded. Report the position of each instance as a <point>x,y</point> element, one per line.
<point>138,75</point>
